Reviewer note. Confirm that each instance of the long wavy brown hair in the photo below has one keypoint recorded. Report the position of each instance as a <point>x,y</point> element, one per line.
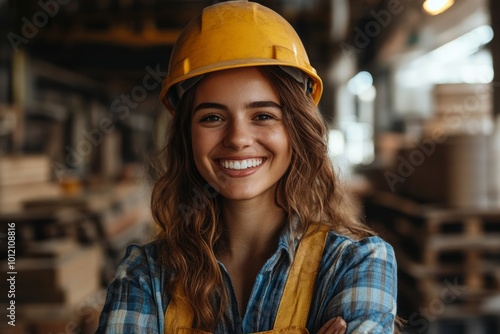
<point>188,210</point>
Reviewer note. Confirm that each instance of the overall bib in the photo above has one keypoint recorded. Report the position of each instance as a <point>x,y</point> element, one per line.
<point>293,310</point>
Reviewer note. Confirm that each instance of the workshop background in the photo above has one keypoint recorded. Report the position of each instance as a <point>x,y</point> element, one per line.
<point>411,99</point>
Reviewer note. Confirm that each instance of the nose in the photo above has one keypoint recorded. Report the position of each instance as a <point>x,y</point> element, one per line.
<point>238,135</point>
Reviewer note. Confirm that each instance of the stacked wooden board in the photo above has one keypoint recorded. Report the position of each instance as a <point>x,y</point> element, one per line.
<point>448,259</point>
<point>56,284</point>
<point>25,177</point>
<point>461,108</point>
<point>67,247</point>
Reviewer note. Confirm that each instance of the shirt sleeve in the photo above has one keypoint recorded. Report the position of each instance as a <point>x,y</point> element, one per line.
<point>366,290</point>
<point>131,305</point>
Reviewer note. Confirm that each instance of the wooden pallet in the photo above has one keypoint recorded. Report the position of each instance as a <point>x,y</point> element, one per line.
<point>440,249</point>
<point>464,325</point>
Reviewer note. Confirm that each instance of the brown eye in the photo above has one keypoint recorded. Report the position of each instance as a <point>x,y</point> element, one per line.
<point>264,117</point>
<point>211,118</point>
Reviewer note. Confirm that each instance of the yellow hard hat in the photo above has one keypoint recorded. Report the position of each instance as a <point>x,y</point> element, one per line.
<point>236,34</point>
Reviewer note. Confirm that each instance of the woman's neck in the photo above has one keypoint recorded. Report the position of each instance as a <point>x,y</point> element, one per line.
<point>253,229</point>
<point>252,234</point>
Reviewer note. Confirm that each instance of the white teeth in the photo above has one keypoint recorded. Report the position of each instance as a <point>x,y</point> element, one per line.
<point>240,164</point>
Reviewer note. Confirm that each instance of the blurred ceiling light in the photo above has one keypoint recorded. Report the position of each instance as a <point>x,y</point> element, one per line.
<point>360,82</point>
<point>368,95</point>
<point>435,7</point>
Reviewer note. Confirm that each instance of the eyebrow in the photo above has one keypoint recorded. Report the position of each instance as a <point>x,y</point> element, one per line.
<point>250,105</point>
<point>210,105</point>
<point>262,104</point>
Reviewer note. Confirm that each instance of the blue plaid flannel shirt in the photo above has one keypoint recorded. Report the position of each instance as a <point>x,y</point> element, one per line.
<point>357,281</point>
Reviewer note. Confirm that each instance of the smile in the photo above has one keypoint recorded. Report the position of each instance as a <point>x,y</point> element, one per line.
<point>240,164</point>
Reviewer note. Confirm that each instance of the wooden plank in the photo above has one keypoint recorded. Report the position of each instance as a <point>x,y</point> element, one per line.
<point>13,197</point>
<point>66,278</point>
<point>412,208</point>
<point>52,248</point>
<point>24,169</point>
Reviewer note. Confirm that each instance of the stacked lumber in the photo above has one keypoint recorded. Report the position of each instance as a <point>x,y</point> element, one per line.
<point>25,169</point>
<point>461,108</point>
<point>56,284</point>
<point>58,318</point>
<point>454,170</point>
<point>59,272</point>
<point>448,258</point>
<point>23,178</point>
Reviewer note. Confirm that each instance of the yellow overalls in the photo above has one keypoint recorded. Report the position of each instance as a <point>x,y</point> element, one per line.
<point>297,294</point>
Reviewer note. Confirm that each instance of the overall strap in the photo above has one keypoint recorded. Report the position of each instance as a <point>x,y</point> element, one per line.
<point>294,306</point>
<point>178,315</point>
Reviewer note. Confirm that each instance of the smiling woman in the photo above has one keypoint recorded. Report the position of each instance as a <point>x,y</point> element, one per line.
<point>238,122</point>
<point>268,244</point>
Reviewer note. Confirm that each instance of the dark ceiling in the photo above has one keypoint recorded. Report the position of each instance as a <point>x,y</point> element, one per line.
<point>114,40</point>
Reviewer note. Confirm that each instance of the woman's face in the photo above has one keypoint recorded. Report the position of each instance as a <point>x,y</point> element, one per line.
<point>240,144</point>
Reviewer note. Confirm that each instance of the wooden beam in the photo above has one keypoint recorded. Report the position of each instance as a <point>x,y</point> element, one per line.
<point>117,34</point>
